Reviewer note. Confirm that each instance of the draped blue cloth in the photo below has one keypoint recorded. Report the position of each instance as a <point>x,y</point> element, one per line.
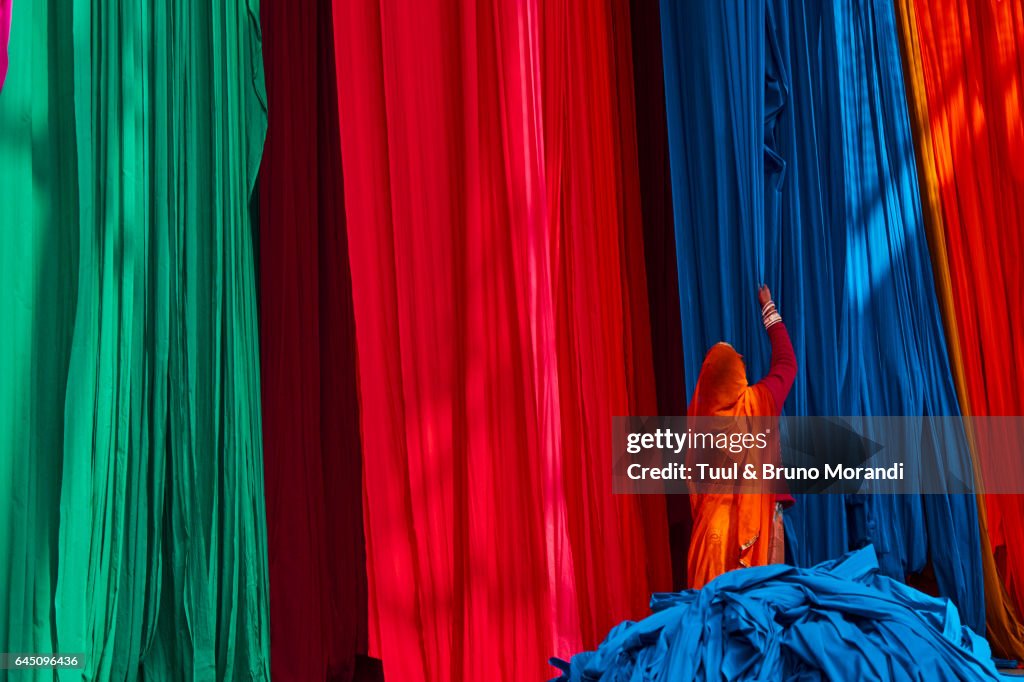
<point>792,164</point>
<point>841,620</point>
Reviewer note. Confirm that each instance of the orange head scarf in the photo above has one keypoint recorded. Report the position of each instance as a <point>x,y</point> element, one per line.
<point>730,530</point>
<point>722,388</point>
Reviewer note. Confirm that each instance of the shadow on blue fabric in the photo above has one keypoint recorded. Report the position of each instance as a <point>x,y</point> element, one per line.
<point>792,164</point>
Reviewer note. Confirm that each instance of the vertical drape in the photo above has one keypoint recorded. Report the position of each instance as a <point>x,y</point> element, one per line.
<point>660,247</point>
<point>135,135</point>
<point>498,283</point>
<point>792,164</point>
<point>602,325</point>
<point>312,454</point>
<point>656,206</point>
<point>965,64</point>
<point>38,275</point>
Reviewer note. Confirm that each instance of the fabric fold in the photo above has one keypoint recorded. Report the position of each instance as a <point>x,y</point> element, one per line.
<point>312,451</point>
<point>493,215</point>
<point>839,620</point>
<point>964,76</point>
<point>138,538</point>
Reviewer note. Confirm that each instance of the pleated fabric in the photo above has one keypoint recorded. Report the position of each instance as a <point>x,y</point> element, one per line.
<point>792,164</point>
<point>140,529</point>
<point>312,452</point>
<point>840,620</point>
<point>493,214</point>
<point>38,278</point>
<point>965,71</point>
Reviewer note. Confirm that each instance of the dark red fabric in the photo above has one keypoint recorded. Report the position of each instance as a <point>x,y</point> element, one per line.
<point>312,452</point>
<point>660,248</point>
<point>656,207</point>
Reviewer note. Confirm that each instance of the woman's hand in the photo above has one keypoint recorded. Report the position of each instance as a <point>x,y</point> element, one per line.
<point>763,295</point>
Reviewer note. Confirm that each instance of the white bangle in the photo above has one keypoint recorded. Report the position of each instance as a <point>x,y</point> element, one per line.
<point>769,314</point>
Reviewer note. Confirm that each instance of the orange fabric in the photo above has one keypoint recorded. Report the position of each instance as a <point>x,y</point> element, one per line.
<point>963,94</point>
<point>729,531</point>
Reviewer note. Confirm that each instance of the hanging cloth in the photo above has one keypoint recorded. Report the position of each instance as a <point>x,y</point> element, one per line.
<point>133,471</point>
<point>312,450</point>
<point>500,306</point>
<point>790,145</point>
<point>965,75</point>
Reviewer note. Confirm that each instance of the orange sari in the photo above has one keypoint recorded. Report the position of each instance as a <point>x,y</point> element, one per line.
<point>730,531</point>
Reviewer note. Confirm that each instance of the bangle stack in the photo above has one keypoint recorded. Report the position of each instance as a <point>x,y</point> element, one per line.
<point>769,315</point>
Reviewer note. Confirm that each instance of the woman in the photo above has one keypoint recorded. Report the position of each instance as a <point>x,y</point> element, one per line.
<point>738,530</point>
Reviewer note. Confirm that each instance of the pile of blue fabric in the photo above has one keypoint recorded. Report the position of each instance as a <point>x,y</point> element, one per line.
<point>840,620</point>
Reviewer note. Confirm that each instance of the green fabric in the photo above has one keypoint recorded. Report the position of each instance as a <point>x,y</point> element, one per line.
<point>38,275</point>
<point>132,517</point>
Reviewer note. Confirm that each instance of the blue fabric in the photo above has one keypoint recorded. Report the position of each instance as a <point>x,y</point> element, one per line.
<point>792,164</point>
<point>841,620</point>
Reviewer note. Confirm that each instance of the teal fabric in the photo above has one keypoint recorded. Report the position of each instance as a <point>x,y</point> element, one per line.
<point>38,281</point>
<point>136,519</point>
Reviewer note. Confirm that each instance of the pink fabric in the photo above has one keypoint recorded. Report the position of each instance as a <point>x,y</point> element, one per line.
<point>5,32</point>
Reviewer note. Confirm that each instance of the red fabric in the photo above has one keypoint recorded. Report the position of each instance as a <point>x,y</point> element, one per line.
<point>493,219</point>
<point>973,64</point>
<point>310,405</point>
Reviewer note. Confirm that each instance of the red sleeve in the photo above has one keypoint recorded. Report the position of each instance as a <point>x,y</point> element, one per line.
<point>780,377</point>
<point>782,371</point>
